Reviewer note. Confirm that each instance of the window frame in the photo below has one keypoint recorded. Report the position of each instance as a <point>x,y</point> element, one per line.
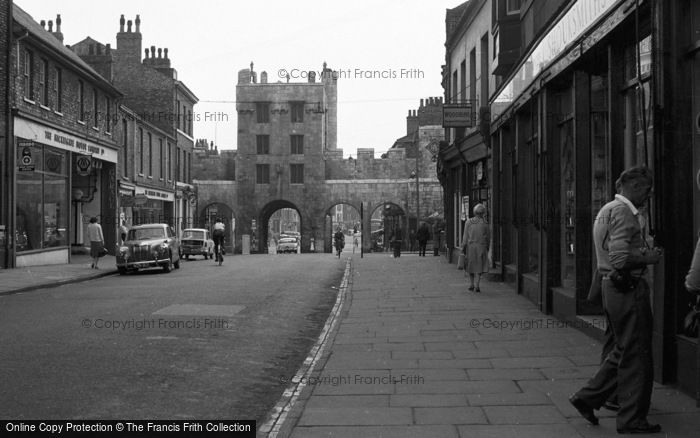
<point>296,173</point>
<point>296,147</point>
<point>262,147</point>
<point>262,112</point>
<point>296,112</point>
<point>262,173</point>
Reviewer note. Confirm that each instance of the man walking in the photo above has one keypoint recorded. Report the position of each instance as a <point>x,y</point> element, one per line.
<point>423,235</point>
<point>623,255</point>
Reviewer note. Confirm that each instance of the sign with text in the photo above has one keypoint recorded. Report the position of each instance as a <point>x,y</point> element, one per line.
<point>155,194</point>
<point>26,162</point>
<point>53,137</point>
<point>458,115</point>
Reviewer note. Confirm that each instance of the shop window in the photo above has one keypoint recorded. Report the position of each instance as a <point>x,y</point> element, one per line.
<point>42,207</point>
<point>638,105</point>
<point>568,200</point>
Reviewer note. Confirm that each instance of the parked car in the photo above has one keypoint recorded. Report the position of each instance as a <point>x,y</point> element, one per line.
<point>287,244</point>
<point>149,246</point>
<point>197,241</point>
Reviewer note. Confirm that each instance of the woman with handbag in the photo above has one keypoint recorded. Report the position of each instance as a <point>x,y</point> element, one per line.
<point>475,243</point>
<point>97,241</point>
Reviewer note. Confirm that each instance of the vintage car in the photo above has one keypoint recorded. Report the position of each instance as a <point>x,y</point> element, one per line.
<point>197,241</point>
<point>287,244</point>
<point>149,246</point>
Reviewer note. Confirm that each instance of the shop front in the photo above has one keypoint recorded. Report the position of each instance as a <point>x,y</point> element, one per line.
<point>145,205</point>
<point>61,180</point>
<point>566,123</point>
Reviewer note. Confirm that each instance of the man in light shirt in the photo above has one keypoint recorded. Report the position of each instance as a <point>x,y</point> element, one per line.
<point>622,254</point>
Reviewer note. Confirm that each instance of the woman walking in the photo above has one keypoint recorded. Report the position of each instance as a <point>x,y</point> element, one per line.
<point>97,241</point>
<point>475,244</point>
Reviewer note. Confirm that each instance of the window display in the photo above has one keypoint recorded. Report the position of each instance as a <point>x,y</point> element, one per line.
<point>42,194</point>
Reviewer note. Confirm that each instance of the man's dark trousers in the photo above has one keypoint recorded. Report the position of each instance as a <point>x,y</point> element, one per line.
<point>628,369</point>
<point>421,247</point>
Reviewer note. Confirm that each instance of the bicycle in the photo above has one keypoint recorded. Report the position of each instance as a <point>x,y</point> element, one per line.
<point>339,244</point>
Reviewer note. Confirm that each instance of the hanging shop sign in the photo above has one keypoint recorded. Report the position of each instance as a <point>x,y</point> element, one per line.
<point>457,115</point>
<point>53,137</point>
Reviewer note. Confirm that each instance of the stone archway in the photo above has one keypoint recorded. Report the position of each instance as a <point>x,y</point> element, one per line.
<point>261,245</point>
<point>383,218</point>
<point>348,218</point>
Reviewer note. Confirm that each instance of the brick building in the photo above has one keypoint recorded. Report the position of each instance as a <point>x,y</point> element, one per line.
<point>63,162</point>
<point>156,117</point>
<point>6,140</point>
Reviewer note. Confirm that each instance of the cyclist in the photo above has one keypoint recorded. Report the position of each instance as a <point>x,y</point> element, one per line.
<point>218,235</point>
<point>339,240</point>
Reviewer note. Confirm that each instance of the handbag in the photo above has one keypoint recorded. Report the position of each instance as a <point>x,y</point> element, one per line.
<point>102,252</point>
<point>461,261</point>
<point>691,322</point>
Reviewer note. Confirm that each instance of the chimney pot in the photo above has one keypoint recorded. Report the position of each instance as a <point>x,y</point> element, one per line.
<point>160,53</point>
<point>128,26</point>
<point>43,24</point>
<point>58,22</point>
<point>146,52</point>
<point>165,53</point>
<point>50,26</point>
<point>421,103</point>
<point>121,23</point>
<point>138,24</point>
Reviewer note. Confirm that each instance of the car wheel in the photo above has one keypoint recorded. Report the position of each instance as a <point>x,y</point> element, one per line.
<point>169,265</point>
<point>187,257</point>
<point>121,270</point>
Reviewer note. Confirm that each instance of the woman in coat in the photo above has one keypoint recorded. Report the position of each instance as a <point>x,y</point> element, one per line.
<point>475,244</point>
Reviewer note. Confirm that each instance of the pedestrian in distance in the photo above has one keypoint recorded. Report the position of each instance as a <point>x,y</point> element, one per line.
<point>339,241</point>
<point>422,235</point>
<point>623,254</point>
<point>396,241</point>
<point>97,241</point>
<point>475,244</point>
<point>218,236</point>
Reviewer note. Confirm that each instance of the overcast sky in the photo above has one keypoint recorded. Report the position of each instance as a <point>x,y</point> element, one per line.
<point>210,40</point>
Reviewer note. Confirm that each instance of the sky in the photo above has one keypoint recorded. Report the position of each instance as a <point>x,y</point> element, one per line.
<point>388,53</point>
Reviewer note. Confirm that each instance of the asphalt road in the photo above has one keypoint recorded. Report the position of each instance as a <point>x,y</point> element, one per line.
<point>201,342</point>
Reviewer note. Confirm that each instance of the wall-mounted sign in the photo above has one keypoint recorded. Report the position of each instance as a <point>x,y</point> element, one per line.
<point>458,115</point>
<point>83,165</point>
<point>26,162</point>
<point>53,137</point>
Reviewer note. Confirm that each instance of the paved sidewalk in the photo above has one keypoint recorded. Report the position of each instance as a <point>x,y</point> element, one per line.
<point>39,277</point>
<point>417,355</point>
